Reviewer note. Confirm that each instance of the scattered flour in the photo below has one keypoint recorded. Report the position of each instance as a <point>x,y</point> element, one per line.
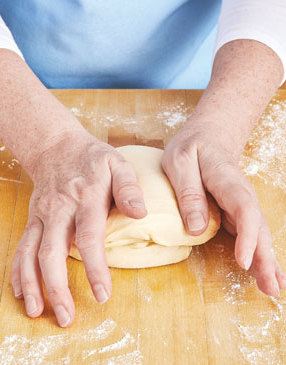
<point>175,116</point>
<point>259,340</point>
<point>236,284</point>
<point>170,117</point>
<point>256,334</point>
<point>265,152</point>
<point>143,291</point>
<point>131,358</point>
<point>123,342</point>
<point>17,349</point>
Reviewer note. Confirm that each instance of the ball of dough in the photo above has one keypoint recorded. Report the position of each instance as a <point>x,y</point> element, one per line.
<point>160,238</point>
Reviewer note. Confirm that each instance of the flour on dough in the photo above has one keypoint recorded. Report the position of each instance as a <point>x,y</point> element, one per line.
<point>160,238</point>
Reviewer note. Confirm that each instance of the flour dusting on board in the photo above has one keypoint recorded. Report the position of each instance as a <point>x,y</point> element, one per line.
<point>265,152</point>
<point>17,349</point>
<point>253,326</point>
<point>143,290</point>
<point>131,358</point>
<point>236,285</point>
<point>175,116</point>
<point>259,337</point>
<point>171,118</point>
<point>120,344</point>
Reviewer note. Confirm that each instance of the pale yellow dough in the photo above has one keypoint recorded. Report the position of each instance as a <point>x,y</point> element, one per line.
<point>160,238</point>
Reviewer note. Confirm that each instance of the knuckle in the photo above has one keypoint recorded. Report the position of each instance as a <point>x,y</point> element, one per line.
<point>219,173</point>
<point>246,209</point>
<point>99,151</point>
<point>51,204</point>
<point>86,249</point>
<point>32,225</point>
<point>84,239</point>
<point>93,274</point>
<point>265,236</point>
<point>46,204</point>
<point>80,188</point>
<point>14,278</point>
<point>178,158</point>
<point>27,249</point>
<point>54,292</point>
<point>17,254</point>
<point>27,284</point>
<point>122,163</point>
<point>76,186</point>
<point>126,187</point>
<point>46,252</point>
<point>190,196</point>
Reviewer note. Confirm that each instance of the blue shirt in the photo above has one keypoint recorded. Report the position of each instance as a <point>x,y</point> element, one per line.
<point>116,44</point>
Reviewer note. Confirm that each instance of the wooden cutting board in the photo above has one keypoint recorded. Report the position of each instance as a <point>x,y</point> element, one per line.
<point>204,310</point>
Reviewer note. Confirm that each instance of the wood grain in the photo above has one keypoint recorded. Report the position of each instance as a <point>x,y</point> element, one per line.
<point>204,310</point>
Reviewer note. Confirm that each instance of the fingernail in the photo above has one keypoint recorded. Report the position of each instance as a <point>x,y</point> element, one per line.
<point>195,221</point>
<point>100,293</point>
<point>247,261</point>
<point>134,204</point>
<point>62,315</point>
<point>30,304</point>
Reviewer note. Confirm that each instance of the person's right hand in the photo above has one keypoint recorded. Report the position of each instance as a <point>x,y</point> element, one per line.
<point>74,182</point>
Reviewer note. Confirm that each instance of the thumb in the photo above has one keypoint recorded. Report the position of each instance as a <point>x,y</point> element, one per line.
<point>126,191</point>
<point>183,172</point>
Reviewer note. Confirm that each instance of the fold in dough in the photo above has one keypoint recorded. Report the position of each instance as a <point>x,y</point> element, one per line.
<point>160,238</point>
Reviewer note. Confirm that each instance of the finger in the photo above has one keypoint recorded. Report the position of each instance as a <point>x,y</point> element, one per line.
<point>185,177</point>
<point>15,276</point>
<point>264,265</point>
<point>90,233</point>
<point>30,274</point>
<point>52,258</point>
<point>280,276</point>
<point>247,225</point>
<point>126,191</point>
<point>236,197</point>
<point>28,244</point>
<point>228,225</point>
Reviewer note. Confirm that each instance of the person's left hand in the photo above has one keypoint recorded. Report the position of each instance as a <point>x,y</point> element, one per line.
<point>204,157</point>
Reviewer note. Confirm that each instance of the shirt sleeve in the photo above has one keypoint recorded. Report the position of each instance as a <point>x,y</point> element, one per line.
<point>260,20</point>
<point>7,40</point>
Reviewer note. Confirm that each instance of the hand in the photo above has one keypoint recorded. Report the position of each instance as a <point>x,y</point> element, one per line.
<point>74,182</point>
<point>202,157</point>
